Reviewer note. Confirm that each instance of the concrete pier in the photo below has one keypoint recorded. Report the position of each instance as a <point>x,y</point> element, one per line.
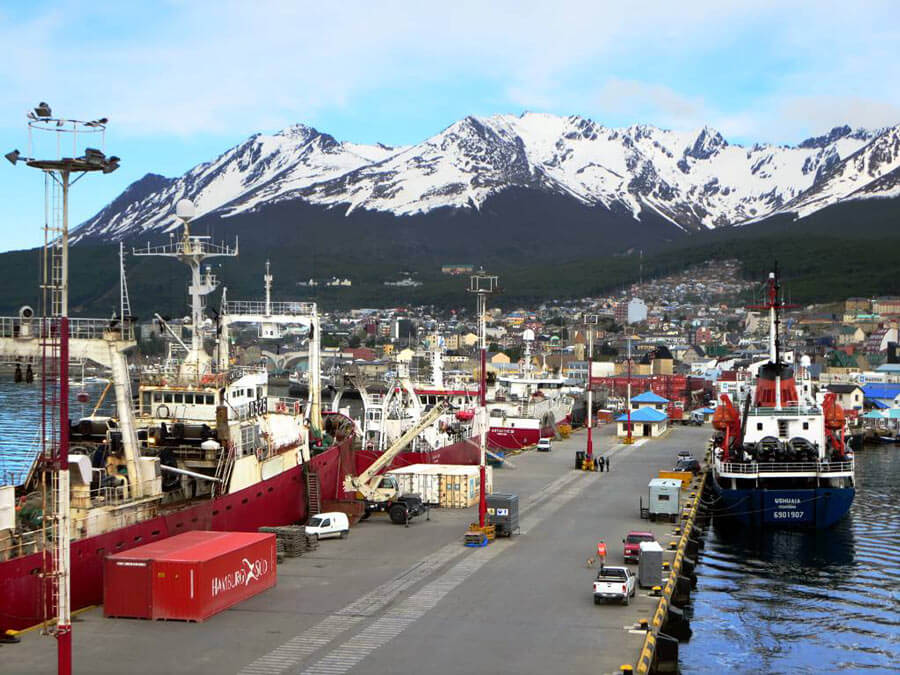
<point>414,600</point>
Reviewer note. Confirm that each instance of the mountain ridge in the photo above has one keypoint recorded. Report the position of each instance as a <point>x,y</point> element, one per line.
<point>694,180</point>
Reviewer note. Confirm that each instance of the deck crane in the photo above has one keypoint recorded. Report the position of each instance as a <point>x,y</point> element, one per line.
<point>381,493</point>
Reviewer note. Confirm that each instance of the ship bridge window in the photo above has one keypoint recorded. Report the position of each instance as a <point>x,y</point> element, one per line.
<point>167,398</point>
<point>145,401</point>
<point>177,398</point>
<point>157,397</point>
<point>189,399</point>
<point>806,425</point>
<point>210,400</point>
<point>759,426</point>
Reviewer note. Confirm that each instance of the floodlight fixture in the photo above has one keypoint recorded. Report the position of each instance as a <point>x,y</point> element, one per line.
<point>42,110</point>
<point>13,156</point>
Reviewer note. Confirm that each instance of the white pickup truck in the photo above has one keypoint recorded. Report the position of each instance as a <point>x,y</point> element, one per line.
<point>614,583</point>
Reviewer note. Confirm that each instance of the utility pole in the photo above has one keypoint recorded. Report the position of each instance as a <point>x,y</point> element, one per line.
<point>482,285</point>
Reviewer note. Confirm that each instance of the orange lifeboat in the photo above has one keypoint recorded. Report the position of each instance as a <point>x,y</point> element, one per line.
<point>834,413</point>
<point>724,417</point>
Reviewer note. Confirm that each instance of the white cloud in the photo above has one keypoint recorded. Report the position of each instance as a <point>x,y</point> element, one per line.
<point>230,67</point>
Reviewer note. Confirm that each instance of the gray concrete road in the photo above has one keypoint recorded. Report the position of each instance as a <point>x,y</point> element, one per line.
<point>394,600</point>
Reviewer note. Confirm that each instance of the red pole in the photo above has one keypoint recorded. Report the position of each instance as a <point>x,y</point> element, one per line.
<point>628,438</point>
<point>64,626</point>
<point>589,452</point>
<point>482,499</point>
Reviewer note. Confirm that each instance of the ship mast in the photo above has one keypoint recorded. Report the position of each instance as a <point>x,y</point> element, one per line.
<point>193,251</point>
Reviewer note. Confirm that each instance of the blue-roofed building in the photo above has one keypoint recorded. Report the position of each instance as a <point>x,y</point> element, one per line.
<point>646,422</point>
<point>648,399</point>
<point>882,393</point>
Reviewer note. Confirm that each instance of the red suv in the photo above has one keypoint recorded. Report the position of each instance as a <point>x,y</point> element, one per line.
<point>633,544</point>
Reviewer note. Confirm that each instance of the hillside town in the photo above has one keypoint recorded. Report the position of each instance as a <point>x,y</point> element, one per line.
<point>687,339</point>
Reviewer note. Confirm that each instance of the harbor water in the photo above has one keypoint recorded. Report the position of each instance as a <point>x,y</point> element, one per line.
<point>21,410</point>
<point>781,601</point>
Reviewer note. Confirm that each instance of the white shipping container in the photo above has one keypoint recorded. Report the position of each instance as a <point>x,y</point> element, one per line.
<point>447,485</point>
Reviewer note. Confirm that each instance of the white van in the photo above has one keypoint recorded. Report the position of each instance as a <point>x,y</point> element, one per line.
<point>333,524</point>
<point>543,445</point>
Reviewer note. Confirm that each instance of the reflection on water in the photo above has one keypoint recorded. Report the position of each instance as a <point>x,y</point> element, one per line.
<point>780,601</point>
<point>20,408</point>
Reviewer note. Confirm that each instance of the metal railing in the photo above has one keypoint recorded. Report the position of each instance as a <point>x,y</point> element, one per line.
<point>305,309</point>
<point>194,246</point>
<point>786,412</point>
<point>79,329</point>
<point>755,468</point>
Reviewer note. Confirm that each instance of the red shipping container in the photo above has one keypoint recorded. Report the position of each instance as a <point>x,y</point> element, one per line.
<point>190,576</point>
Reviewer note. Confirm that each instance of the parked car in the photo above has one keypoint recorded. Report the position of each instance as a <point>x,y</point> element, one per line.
<point>688,464</point>
<point>333,524</point>
<point>614,583</point>
<point>632,543</point>
<point>543,445</point>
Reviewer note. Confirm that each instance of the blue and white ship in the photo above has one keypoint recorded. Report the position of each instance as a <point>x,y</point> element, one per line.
<point>783,462</point>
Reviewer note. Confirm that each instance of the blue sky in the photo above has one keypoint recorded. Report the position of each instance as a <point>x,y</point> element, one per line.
<point>181,81</point>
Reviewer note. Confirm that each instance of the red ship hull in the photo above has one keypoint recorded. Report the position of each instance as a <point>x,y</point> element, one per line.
<point>508,438</point>
<point>280,500</point>
<point>462,452</point>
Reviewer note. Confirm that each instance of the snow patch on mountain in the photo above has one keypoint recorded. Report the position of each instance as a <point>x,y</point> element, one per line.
<point>693,179</point>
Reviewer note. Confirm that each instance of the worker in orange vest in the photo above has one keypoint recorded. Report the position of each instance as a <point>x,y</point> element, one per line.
<point>601,553</point>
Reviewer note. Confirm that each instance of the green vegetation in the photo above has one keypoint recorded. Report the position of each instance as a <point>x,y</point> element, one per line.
<point>844,251</point>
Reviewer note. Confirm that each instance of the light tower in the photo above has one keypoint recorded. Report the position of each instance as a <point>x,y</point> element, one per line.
<point>60,173</point>
<point>590,321</point>
<point>482,285</point>
<point>193,251</point>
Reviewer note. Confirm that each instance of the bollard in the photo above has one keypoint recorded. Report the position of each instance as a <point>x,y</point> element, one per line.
<point>666,654</point>
<point>644,624</point>
<point>626,668</point>
<point>677,625</point>
<point>657,590</point>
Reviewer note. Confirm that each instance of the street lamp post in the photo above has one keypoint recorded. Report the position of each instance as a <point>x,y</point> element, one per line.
<point>482,285</point>
<point>590,321</point>
<point>60,174</point>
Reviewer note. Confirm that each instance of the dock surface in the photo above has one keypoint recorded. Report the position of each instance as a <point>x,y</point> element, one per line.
<point>412,600</point>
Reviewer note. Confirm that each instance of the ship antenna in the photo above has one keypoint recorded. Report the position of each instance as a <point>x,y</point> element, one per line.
<point>776,287</point>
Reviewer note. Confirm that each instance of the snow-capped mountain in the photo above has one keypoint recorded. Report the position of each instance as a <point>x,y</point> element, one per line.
<point>694,180</point>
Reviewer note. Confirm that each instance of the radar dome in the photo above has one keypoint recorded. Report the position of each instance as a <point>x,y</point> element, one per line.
<point>805,361</point>
<point>184,209</point>
<point>528,335</point>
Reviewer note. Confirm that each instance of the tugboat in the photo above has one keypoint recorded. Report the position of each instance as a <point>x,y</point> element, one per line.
<point>784,461</point>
